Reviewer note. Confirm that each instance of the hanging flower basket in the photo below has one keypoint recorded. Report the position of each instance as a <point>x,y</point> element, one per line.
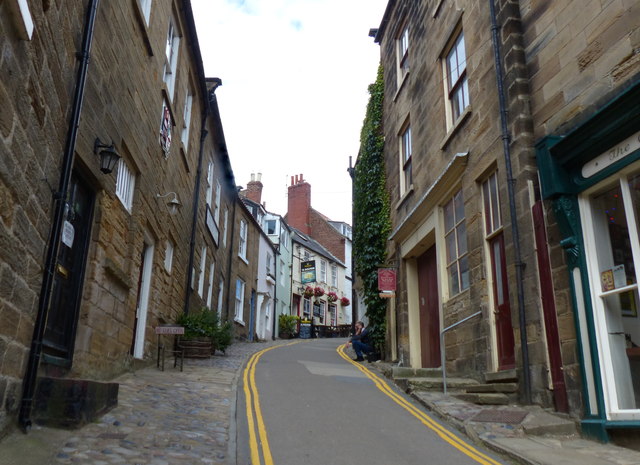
<point>332,296</point>
<point>344,301</point>
<point>318,291</point>
<point>308,291</point>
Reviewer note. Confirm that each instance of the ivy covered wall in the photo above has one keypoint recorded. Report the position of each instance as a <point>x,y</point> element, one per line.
<point>371,210</point>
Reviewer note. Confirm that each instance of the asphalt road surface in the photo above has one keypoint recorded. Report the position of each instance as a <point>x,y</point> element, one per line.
<point>311,405</point>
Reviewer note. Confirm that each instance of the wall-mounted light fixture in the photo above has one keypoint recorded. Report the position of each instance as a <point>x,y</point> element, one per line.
<point>173,203</point>
<point>108,155</point>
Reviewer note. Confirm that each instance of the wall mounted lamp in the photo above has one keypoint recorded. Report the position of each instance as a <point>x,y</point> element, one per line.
<point>173,203</point>
<point>108,155</point>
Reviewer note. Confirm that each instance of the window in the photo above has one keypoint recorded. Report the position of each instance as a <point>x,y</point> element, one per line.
<point>402,54</point>
<point>145,6</point>
<point>406,180</point>
<point>333,315</point>
<point>171,57</point>
<point>491,200</point>
<point>220,295</point>
<point>125,184</point>
<point>209,195</point>
<point>203,263</point>
<point>323,271</point>
<point>319,310</point>
<point>306,255</point>
<point>306,308</point>
<point>212,269</point>
<point>334,275</point>
<point>168,256</point>
<point>456,245</point>
<point>270,226</point>
<point>269,260</point>
<point>216,205</point>
<point>281,272</point>
<point>186,114</point>
<point>242,246</point>
<point>226,223</point>
<point>456,78</point>
<point>239,300</point>
<point>166,123</point>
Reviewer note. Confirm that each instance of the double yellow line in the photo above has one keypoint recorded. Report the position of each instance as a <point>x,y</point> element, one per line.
<point>425,419</point>
<point>253,406</point>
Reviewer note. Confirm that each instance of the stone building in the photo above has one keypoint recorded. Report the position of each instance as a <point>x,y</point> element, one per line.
<point>511,135</point>
<point>584,72</point>
<point>94,257</point>
<point>452,237</point>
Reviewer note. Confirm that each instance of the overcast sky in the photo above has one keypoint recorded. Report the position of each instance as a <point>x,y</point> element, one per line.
<point>294,90</point>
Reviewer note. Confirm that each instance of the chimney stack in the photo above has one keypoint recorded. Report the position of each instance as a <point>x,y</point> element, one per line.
<point>299,204</point>
<point>254,189</point>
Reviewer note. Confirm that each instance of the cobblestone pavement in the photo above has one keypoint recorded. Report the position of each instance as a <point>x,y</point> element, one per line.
<point>162,418</point>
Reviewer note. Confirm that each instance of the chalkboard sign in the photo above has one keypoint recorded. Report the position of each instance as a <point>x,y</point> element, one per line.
<point>305,330</point>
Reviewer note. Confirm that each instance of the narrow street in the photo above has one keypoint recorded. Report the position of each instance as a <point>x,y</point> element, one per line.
<point>311,404</point>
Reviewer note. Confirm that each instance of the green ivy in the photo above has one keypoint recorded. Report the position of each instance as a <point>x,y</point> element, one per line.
<point>371,210</point>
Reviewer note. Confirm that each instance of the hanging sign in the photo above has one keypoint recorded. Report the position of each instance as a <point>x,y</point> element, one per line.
<point>308,271</point>
<point>386,279</point>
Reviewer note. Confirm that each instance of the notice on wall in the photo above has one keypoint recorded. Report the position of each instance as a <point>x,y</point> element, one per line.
<point>68,233</point>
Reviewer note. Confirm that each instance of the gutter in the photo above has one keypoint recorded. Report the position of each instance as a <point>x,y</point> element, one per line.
<point>59,198</point>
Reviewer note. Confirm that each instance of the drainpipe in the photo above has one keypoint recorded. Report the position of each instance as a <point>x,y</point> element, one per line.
<point>506,139</point>
<point>354,310</point>
<point>29,380</point>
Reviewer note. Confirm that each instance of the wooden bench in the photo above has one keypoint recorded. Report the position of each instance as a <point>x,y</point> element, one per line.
<point>178,353</point>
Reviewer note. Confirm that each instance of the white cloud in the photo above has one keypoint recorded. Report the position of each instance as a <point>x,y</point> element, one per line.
<point>295,76</point>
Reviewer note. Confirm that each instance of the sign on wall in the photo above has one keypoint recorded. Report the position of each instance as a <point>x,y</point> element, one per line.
<point>308,271</point>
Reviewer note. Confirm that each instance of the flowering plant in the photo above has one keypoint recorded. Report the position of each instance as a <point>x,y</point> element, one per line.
<point>318,291</point>
<point>332,296</point>
<point>344,301</point>
<point>308,291</point>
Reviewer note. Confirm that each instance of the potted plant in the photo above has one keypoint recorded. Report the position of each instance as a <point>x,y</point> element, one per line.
<point>344,301</point>
<point>308,291</point>
<point>332,296</point>
<point>287,325</point>
<point>318,291</point>
<point>199,333</point>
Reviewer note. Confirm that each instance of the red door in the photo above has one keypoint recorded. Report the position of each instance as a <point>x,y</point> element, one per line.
<point>549,311</point>
<point>429,309</point>
<point>504,329</point>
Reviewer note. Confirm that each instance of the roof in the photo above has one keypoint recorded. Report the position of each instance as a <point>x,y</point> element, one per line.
<point>313,245</point>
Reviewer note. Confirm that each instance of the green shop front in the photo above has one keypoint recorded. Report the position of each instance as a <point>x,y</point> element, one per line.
<point>592,176</point>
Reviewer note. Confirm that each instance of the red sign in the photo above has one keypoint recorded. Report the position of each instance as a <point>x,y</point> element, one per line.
<point>386,279</point>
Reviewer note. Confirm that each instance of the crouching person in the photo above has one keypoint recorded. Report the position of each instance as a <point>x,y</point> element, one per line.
<point>361,341</point>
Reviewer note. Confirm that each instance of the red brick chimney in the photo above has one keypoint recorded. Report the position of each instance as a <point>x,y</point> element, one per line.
<point>254,189</point>
<point>299,204</point>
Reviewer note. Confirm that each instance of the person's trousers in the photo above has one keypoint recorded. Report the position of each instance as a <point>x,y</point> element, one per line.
<point>361,347</point>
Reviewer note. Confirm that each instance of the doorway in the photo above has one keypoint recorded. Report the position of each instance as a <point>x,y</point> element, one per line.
<point>429,309</point>
<point>68,279</point>
<point>142,302</point>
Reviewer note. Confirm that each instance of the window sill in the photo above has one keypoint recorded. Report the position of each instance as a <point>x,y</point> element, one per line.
<point>456,127</point>
<point>404,197</point>
<point>239,321</point>
<point>244,259</point>
<point>405,78</point>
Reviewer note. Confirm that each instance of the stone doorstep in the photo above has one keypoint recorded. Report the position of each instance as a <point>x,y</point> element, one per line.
<point>493,387</point>
<point>503,376</point>
<point>436,384</point>
<point>486,398</point>
<point>406,372</point>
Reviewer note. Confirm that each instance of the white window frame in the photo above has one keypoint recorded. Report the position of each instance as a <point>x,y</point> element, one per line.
<point>145,7</point>
<point>323,271</point>
<point>166,127</point>
<point>406,160</point>
<point>212,269</point>
<point>22,18</point>
<point>454,68</point>
<point>203,265</point>
<point>306,308</point>
<point>454,258</point>
<point>242,244</point>
<point>168,255</point>
<point>334,275</point>
<point>125,185</point>
<point>186,113</point>
<point>209,194</point>
<point>402,54</point>
<point>239,301</point>
<point>172,48</point>
<point>216,204</point>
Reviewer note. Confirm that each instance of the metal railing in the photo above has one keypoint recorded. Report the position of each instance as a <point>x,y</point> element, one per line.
<point>443,358</point>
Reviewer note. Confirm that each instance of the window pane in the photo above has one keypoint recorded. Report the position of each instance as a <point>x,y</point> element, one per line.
<point>408,177</point>
<point>461,53</point>
<point>459,204</point>
<point>454,285</point>
<point>451,247</point>
<point>495,204</point>
<point>448,216</point>
<point>461,232</point>
<point>464,273</point>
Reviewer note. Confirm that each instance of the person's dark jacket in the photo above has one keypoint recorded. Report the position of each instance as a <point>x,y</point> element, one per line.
<point>364,336</point>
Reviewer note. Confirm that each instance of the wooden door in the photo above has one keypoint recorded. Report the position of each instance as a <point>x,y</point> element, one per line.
<point>429,309</point>
<point>502,309</point>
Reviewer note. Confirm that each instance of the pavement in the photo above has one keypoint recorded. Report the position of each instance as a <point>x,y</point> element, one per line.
<point>176,418</point>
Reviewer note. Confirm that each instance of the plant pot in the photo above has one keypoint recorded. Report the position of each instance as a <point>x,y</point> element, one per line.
<point>197,348</point>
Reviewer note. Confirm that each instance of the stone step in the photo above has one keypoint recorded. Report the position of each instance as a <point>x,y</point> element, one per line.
<point>547,424</point>
<point>435,384</point>
<point>493,387</point>
<point>484,398</point>
<point>504,376</point>
<point>407,372</point>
